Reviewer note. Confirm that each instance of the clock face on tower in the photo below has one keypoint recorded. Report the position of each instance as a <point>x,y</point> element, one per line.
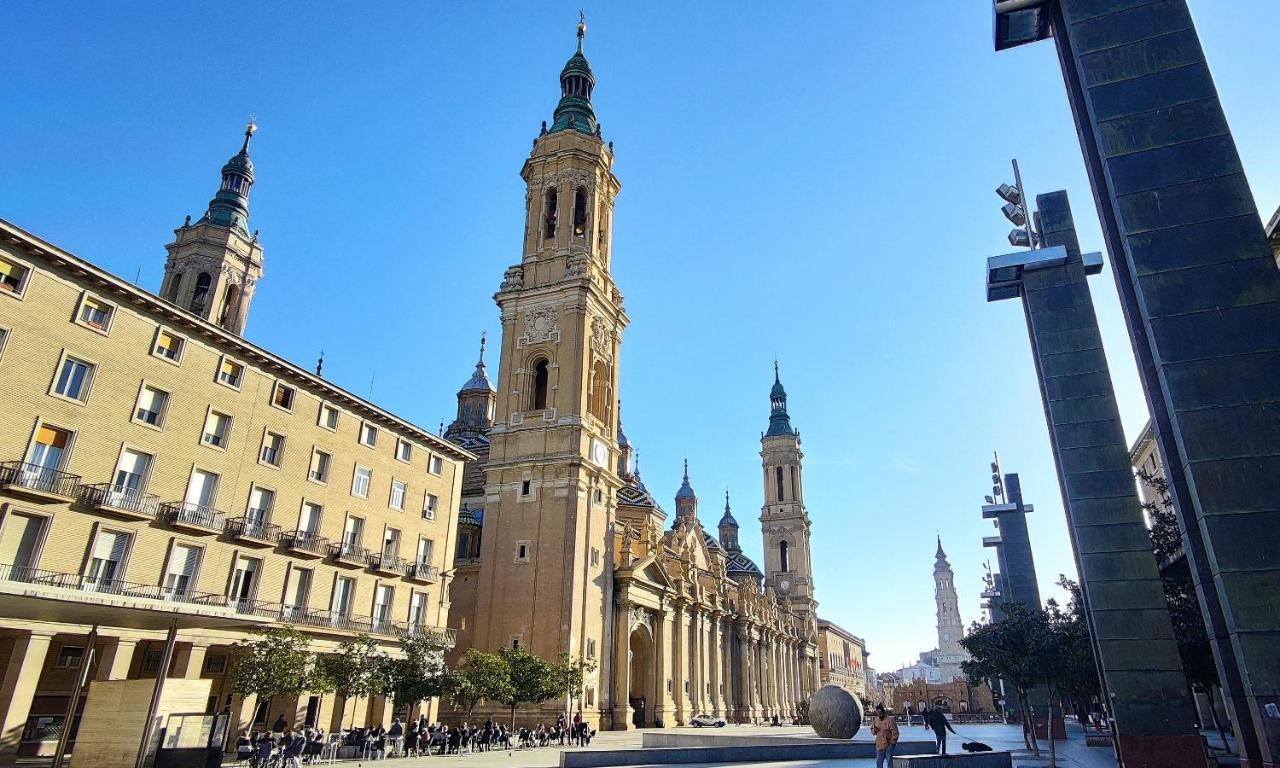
<point>784,585</point>
<point>599,454</point>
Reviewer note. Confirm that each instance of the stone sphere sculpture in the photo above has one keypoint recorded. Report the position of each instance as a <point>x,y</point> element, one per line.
<point>835,713</point>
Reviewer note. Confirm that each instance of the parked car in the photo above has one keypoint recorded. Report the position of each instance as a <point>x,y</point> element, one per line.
<point>707,721</point>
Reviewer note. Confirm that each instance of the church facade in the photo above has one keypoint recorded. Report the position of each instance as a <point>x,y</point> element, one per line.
<point>561,547</point>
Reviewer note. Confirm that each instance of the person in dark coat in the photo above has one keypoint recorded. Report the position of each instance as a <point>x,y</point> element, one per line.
<point>940,725</point>
<point>280,725</point>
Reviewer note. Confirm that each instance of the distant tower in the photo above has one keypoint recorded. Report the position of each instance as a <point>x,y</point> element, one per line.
<point>686,501</point>
<point>950,627</point>
<point>215,263</point>
<point>783,519</point>
<point>475,405</point>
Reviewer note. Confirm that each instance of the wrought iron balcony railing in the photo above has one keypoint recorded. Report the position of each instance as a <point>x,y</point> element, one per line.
<point>424,573</point>
<point>127,502</point>
<point>305,543</point>
<point>254,531</point>
<point>387,563</point>
<point>185,514</point>
<point>349,554</point>
<point>44,481</point>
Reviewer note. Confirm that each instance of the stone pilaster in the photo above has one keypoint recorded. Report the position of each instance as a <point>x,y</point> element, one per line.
<point>621,667</point>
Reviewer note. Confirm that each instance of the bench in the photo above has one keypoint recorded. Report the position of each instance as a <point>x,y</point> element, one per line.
<point>964,760</point>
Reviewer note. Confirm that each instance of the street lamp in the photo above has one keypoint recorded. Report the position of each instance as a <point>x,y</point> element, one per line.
<point>1017,211</point>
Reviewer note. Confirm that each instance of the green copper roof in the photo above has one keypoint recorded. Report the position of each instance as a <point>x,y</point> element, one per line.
<point>230,206</point>
<point>576,84</point>
<point>779,421</point>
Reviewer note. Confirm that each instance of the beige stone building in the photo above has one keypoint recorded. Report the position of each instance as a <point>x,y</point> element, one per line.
<point>844,659</point>
<point>159,471</point>
<point>561,547</point>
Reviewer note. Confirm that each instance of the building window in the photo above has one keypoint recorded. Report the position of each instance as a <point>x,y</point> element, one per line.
<point>200,297</point>
<point>429,507</point>
<point>515,641</point>
<point>397,495</point>
<point>244,581</point>
<point>600,389</point>
<point>526,488</point>
<point>283,396</point>
<point>309,519</point>
<point>784,555</point>
<point>418,609</point>
<point>4,337</point>
<point>328,417</point>
<point>368,434</point>
<point>541,375</point>
<point>96,314</point>
<point>131,478</point>
<point>230,373</point>
<point>795,483</point>
<point>171,292</point>
<point>215,663</point>
<point>272,449</point>
<point>73,380</point>
<point>49,451</point>
<point>318,472</point>
<point>591,697</point>
<point>151,660</point>
<point>591,648</point>
<point>106,561</point>
<point>69,657</point>
<point>778,479</point>
<point>404,450</point>
<point>426,547</point>
<point>180,571</point>
<point>151,406</point>
<point>13,277</point>
<point>168,346</point>
<point>435,465</point>
<point>522,551</point>
<point>595,557</point>
<point>217,430</point>
<point>550,212</point>
<point>360,483</point>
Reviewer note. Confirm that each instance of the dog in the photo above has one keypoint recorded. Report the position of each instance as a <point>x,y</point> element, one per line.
<point>975,746</point>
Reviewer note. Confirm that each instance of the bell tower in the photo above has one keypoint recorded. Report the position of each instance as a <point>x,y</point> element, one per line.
<point>783,519</point>
<point>552,475</point>
<point>215,264</point>
<point>950,628</point>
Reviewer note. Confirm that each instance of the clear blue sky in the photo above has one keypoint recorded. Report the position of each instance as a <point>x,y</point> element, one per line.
<point>815,184</point>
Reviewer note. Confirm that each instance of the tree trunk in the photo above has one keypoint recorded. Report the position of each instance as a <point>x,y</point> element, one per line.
<point>1030,717</point>
<point>1048,731</point>
<point>513,718</point>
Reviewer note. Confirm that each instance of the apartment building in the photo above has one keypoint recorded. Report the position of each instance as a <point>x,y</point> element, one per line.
<point>843,658</point>
<point>158,470</point>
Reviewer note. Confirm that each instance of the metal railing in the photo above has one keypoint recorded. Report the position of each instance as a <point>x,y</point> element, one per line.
<point>257,530</point>
<point>424,572</point>
<point>83,583</point>
<point>351,553</point>
<point>191,514</point>
<point>37,478</point>
<point>306,541</point>
<point>109,496</point>
<point>446,635</point>
<point>389,563</point>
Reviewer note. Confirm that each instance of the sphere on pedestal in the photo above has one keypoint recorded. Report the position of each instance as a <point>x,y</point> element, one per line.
<point>835,713</point>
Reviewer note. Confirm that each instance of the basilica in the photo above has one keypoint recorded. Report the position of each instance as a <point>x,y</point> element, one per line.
<point>561,547</point>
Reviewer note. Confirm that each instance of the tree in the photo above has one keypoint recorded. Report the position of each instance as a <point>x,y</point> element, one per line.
<point>357,669</point>
<point>532,679</point>
<point>420,674</point>
<point>1077,678</point>
<point>279,663</point>
<point>573,672</point>
<point>1010,650</point>
<point>480,677</point>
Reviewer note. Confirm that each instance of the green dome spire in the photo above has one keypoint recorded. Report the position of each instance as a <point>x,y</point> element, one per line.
<point>230,206</point>
<point>576,84</point>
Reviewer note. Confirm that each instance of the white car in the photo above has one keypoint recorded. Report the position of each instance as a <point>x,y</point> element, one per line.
<point>707,721</point>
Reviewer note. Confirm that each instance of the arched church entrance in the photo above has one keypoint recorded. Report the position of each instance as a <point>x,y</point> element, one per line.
<point>642,694</point>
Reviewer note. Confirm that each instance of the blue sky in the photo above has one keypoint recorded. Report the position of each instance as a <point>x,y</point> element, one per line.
<point>815,184</point>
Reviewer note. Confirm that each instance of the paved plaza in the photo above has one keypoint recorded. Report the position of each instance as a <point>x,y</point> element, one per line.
<point>1072,753</point>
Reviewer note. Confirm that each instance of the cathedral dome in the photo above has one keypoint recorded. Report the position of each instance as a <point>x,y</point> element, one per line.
<point>686,490</point>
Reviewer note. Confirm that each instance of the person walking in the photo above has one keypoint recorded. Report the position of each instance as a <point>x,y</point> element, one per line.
<point>940,725</point>
<point>885,729</point>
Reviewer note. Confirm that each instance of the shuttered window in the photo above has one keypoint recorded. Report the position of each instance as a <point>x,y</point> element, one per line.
<point>131,472</point>
<point>180,575</point>
<point>109,549</point>
<point>168,346</point>
<point>151,403</point>
<point>12,276</point>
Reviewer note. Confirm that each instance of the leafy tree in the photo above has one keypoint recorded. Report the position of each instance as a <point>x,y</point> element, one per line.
<point>420,674</point>
<point>533,680</point>
<point>1009,649</point>
<point>279,663</point>
<point>358,669</point>
<point>480,677</point>
<point>573,672</point>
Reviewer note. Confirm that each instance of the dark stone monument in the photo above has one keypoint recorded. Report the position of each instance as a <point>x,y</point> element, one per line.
<point>1013,546</point>
<point>1128,618</point>
<point>1201,296</point>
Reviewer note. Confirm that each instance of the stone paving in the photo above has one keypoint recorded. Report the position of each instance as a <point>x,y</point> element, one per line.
<point>1072,753</point>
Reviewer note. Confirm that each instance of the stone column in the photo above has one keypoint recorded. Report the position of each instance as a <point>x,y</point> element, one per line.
<point>714,666</point>
<point>679,662</point>
<point>744,671</point>
<point>696,672</point>
<point>1201,296</point>
<point>115,659</point>
<point>1120,582</point>
<point>784,672</point>
<point>761,701</point>
<point>662,699</point>
<point>188,660</point>
<point>18,688</point>
<point>621,667</point>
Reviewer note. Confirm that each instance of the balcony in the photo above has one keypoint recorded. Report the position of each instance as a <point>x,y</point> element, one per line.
<point>305,544</point>
<point>350,555</point>
<point>423,573</point>
<point>196,518</point>
<point>253,532</point>
<point>38,483</point>
<point>119,587</point>
<point>444,635</point>
<point>127,503</point>
<point>388,564</point>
